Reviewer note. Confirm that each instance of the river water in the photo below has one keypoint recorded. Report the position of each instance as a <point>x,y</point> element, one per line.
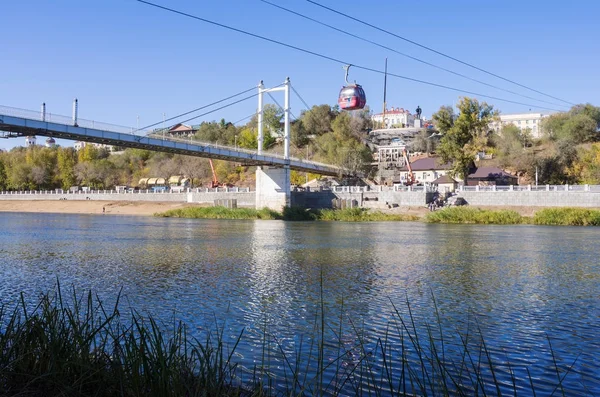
<point>532,293</point>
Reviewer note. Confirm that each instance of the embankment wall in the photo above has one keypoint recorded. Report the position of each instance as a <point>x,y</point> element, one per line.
<point>532,198</point>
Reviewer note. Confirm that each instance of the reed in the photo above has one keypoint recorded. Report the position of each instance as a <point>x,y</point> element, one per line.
<point>84,348</point>
<point>567,217</point>
<point>288,214</point>
<point>220,213</point>
<point>475,215</point>
<point>361,215</point>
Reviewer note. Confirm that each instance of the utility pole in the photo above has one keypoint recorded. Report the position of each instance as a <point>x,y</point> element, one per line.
<point>384,93</point>
<point>164,116</point>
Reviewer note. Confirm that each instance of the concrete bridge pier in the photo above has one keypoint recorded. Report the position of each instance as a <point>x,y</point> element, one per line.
<point>273,187</point>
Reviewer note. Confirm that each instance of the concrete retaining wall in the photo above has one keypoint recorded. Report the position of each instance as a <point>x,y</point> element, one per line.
<point>533,198</point>
<point>383,199</point>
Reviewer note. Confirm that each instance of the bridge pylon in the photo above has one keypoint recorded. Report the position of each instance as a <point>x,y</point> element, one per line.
<point>273,183</point>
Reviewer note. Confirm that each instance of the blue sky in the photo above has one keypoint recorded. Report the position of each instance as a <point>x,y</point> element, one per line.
<point>123,59</point>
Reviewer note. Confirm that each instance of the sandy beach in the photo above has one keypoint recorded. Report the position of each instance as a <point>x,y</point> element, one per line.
<point>89,207</point>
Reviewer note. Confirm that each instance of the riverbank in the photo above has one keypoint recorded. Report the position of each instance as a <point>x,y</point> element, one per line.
<point>140,208</point>
<point>460,215</point>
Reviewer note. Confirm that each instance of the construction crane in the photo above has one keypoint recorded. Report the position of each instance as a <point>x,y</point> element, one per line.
<point>411,179</point>
<point>215,181</point>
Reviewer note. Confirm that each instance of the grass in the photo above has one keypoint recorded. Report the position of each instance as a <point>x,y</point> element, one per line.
<point>220,213</point>
<point>362,215</point>
<point>83,348</point>
<point>567,217</point>
<point>475,215</point>
<point>288,214</point>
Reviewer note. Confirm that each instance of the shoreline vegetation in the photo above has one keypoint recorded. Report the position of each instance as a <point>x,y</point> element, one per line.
<point>451,215</point>
<point>74,344</point>
<point>288,214</point>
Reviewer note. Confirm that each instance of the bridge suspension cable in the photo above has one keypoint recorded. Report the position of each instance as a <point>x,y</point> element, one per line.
<point>436,51</point>
<point>406,55</point>
<point>327,57</point>
<point>300,97</point>
<point>197,109</point>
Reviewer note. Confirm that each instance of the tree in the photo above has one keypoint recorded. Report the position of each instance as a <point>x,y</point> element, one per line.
<point>317,121</point>
<point>444,118</point>
<point>298,133</point>
<point>3,178</point>
<point>586,168</point>
<point>66,160</point>
<point>467,136</point>
<point>589,110</point>
<point>195,168</point>
<point>272,116</point>
<point>343,146</point>
<point>579,125</point>
<point>87,153</point>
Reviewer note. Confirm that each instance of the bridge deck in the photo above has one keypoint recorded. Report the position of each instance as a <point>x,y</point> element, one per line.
<point>31,124</point>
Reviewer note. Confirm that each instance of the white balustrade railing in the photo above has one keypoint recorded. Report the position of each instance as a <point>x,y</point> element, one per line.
<point>532,188</point>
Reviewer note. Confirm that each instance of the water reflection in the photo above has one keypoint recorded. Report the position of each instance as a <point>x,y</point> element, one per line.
<point>518,285</point>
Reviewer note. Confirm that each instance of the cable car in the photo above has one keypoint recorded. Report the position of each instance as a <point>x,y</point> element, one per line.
<point>352,96</point>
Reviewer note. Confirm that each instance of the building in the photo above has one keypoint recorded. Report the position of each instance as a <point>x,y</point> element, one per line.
<point>394,118</point>
<point>50,142</point>
<point>426,170</point>
<point>181,129</point>
<point>30,141</point>
<point>524,121</point>
<point>486,176</point>
<point>80,145</point>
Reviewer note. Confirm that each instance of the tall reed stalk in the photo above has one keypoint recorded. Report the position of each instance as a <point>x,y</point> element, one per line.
<point>83,348</point>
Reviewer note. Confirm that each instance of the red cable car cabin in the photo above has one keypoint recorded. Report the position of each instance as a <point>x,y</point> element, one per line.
<point>352,97</point>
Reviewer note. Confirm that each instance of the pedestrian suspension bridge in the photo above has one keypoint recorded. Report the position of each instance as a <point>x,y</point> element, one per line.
<point>272,176</point>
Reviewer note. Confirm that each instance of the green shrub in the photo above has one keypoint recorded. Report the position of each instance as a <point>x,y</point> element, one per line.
<point>567,217</point>
<point>362,215</point>
<point>220,213</point>
<point>474,215</point>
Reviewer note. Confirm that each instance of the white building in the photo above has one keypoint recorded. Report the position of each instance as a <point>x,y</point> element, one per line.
<point>531,121</point>
<point>394,117</point>
<point>80,145</point>
<point>30,141</point>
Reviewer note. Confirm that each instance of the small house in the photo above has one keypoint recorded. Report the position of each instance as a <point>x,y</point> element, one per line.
<point>485,176</point>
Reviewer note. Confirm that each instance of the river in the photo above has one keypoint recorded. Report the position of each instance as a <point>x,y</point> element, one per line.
<point>523,288</point>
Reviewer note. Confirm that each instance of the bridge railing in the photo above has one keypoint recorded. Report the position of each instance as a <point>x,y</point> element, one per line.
<point>60,192</point>
<point>160,134</point>
<point>532,188</point>
<point>191,140</point>
<point>61,119</point>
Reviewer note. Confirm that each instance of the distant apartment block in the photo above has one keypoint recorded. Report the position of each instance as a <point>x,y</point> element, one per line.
<point>524,121</point>
<point>394,118</point>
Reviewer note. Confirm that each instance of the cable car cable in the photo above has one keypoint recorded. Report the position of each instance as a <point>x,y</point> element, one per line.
<point>220,108</point>
<point>435,51</point>
<point>406,55</point>
<point>338,60</point>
